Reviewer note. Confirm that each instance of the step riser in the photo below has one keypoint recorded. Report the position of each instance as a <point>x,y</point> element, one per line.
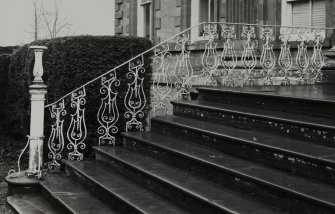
<point>55,202</point>
<point>297,164</point>
<point>101,193</point>
<point>291,201</point>
<point>23,189</point>
<point>307,107</point>
<point>319,135</point>
<point>160,187</point>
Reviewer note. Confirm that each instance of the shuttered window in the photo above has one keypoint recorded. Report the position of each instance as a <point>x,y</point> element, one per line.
<point>216,10</point>
<point>310,13</point>
<point>319,13</point>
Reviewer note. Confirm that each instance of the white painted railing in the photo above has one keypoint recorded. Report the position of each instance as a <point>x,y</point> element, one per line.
<point>225,54</point>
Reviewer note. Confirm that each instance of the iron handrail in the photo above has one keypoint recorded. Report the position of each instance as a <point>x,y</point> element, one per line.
<point>165,41</point>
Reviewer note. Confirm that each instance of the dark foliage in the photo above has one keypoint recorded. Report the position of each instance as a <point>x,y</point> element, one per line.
<point>4,67</point>
<point>7,49</point>
<point>68,63</point>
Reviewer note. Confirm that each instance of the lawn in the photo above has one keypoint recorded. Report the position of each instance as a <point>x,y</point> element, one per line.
<point>9,152</point>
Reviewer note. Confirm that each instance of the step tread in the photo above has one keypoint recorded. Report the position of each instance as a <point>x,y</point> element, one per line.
<point>318,93</point>
<point>303,186</point>
<point>31,204</point>
<point>197,186</point>
<point>263,113</point>
<point>272,141</point>
<point>75,197</point>
<point>122,187</point>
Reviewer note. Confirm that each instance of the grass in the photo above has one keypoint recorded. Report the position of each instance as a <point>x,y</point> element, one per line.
<point>9,152</point>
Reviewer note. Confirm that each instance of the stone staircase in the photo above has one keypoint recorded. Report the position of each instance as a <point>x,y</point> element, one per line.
<point>234,150</point>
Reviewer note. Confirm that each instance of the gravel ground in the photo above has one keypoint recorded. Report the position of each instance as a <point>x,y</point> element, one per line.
<point>9,151</point>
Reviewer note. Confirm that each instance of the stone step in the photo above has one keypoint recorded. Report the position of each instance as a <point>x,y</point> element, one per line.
<point>116,190</point>
<point>296,156</point>
<point>282,189</point>
<point>196,193</point>
<point>316,100</point>
<point>313,129</point>
<point>30,204</point>
<point>68,196</point>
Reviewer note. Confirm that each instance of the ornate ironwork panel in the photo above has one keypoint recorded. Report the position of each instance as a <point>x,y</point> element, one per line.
<point>135,99</point>
<point>228,57</point>
<point>183,68</point>
<point>77,131</point>
<point>302,59</point>
<point>285,59</point>
<point>56,139</point>
<point>267,60</point>
<point>108,113</point>
<point>249,59</point>
<point>318,59</point>
<point>162,80</point>
<point>210,59</point>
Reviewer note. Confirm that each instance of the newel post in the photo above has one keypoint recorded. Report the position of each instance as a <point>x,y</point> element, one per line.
<point>37,92</point>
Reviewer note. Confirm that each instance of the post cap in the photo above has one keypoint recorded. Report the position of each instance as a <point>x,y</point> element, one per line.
<point>38,47</point>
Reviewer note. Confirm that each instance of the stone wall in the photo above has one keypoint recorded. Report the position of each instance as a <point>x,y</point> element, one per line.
<point>122,17</point>
<point>167,20</point>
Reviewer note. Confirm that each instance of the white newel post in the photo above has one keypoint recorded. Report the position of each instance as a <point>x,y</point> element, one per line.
<point>37,92</point>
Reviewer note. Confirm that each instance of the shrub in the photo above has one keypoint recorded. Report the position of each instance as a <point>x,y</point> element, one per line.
<point>4,67</point>
<point>68,63</point>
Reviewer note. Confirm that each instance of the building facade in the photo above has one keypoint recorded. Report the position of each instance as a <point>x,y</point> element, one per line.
<point>161,19</point>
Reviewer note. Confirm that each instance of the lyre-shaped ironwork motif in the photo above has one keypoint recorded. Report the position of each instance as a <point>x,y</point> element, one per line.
<point>162,85</point>
<point>56,138</point>
<point>135,99</point>
<point>249,59</point>
<point>108,113</point>
<point>183,68</point>
<point>210,59</point>
<point>285,59</point>
<point>77,131</point>
<point>318,59</point>
<point>228,57</point>
<point>302,59</point>
<point>267,59</point>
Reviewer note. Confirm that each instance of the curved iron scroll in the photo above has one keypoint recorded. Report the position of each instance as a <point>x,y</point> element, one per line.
<point>77,131</point>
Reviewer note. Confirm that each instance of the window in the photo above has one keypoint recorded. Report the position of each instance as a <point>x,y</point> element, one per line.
<point>144,18</point>
<point>310,13</point>
<point>304,13</point>
<point>206,11</point>
<point>147,20</point>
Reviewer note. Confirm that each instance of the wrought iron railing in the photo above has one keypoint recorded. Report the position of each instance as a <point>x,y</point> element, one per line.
<point>208,54</point>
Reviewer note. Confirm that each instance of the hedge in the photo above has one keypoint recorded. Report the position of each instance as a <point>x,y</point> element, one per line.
<point>4,67</point>
<point>68,63</point>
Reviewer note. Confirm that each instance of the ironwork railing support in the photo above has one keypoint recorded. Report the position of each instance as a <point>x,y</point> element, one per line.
<point>37,92</point>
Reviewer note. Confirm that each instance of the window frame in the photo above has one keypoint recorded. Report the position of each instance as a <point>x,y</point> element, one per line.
<point>195,18</point>
<point>287,18</point>
<point>141,25</point>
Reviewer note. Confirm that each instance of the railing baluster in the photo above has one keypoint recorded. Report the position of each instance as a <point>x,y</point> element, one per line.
<point>108,113</point>
<point>318,59</point>
<point>210,59</point>
<point>162,80</point>
<point>183,68</point>
<point>285,60</point>
<point>135,98</point>
<point>77,131</point>
<point>302,59</point>
<point>267,60</point>
<point>228,57</point>
<point>56,138</point>
<point>249,59</point>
